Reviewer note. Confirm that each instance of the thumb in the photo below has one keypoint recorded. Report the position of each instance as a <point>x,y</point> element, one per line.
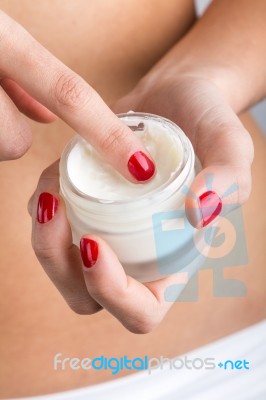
<point>225,180</point>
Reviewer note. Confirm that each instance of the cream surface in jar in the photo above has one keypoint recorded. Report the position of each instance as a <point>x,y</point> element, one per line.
<point>132,217</point>
<point>90,174</point>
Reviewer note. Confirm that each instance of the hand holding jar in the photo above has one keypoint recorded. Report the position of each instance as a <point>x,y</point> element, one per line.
<point>193,87</point>
<point>35,83</point>
<point>96,279</point>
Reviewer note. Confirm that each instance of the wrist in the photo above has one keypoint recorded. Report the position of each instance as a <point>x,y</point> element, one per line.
<point>226,81</point>
<point>234,83</point>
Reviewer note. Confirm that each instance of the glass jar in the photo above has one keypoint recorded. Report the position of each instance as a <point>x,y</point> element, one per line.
<point>149,232</point>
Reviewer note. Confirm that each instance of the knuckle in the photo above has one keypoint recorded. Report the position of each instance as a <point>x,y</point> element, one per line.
<point>142,326</point>
<point>145,322</point>
<point>78,309</point>
<point>46,254</point>
<point>102,292</point>
<point>70,91</point>
<point>82,306</point>
<point>116,137</point>
<point>16,145</point>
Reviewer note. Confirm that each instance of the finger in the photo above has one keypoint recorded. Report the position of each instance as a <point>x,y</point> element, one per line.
<point>72,99</point>
<point>52,243</point>
<point>15,134</point>
<point>139,307</point>
<point>226,151</point>
<point>25,103</point>
<point>222,144</point>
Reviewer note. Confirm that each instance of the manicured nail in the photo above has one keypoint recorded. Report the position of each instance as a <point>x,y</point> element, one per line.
<point>47,207</point>
<point>141,166</point>
<point>210,206</point>
<point>89,252</point>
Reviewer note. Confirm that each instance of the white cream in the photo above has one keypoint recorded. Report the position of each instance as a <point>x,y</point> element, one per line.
<point>90,174</point>
<point>128,215</point>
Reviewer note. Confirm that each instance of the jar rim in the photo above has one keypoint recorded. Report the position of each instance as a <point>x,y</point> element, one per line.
<point>158,194</point>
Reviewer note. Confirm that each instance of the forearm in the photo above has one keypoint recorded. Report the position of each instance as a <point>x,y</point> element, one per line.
<point>228,46</point>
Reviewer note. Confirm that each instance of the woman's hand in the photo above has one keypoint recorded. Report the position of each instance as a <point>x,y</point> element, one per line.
<point>34,82</point>
<point>93,278</point>
<point>182,87</point>
<point>217,70</point>
<point>220,141</point>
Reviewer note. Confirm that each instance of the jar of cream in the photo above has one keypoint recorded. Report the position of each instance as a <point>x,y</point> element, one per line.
<point>144,223</point>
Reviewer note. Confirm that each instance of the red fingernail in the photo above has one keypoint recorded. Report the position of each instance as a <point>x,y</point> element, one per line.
<point>141,166</point>
<point>47,207</point>
<point>89,252</point>
<point>210,206</point>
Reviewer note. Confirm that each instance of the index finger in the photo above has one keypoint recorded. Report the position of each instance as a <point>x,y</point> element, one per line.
<point>67,95</point>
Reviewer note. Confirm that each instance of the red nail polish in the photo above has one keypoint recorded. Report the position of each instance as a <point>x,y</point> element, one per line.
<point>210,206</point>
<point>47,207</point>
<point>141,166</point>
<point>89,252</point>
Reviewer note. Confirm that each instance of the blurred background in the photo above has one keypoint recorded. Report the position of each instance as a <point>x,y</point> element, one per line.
<point>259,110</point>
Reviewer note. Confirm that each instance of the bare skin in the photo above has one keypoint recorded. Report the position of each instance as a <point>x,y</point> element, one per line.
<point>35,320</point>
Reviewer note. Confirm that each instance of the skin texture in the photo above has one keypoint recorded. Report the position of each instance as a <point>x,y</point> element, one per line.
<point>36,323</point>
<point>59,89</point>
